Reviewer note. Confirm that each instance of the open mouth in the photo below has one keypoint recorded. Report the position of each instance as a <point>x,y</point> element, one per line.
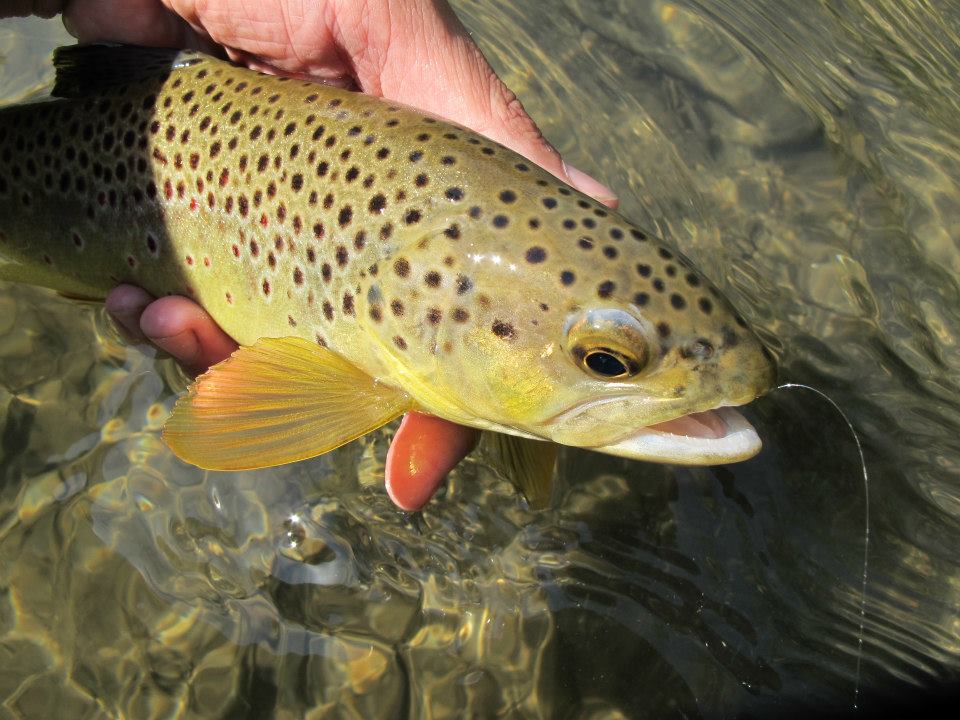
<point>704,438</point>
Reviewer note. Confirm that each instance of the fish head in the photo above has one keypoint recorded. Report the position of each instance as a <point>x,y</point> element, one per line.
<point>601,338</point>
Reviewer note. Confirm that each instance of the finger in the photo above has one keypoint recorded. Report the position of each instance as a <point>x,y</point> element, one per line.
<point>423,451</point>
<point>390,59</point>
<point>140,22</point>
<point>182,328</point>
<point>22,8</point>
<point>126,304</point>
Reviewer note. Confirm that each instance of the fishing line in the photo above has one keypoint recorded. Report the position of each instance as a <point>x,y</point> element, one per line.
<point>866,526</point>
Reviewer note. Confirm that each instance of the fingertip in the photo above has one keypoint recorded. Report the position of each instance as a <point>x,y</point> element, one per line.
<point>125,304</point>
<point>424,449</point>
<point>183,329</point>
<point>589,185</point>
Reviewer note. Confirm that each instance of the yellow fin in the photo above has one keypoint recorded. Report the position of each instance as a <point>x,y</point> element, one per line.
<point>277,401</point>
<point>528,464</point>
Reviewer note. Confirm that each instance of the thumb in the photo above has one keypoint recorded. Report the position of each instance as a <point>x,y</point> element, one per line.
<point>424,57</point>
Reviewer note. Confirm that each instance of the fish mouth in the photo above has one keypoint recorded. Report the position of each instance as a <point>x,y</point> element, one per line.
<point>712,437</point>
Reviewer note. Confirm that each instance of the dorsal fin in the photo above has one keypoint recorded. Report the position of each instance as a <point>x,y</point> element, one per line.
<point>85,70</point>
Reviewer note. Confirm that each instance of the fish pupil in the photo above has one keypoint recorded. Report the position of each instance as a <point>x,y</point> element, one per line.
<point>605,363</point>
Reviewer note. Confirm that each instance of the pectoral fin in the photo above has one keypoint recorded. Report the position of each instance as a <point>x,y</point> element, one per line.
<point>528,464</point>
<point>277,401</point>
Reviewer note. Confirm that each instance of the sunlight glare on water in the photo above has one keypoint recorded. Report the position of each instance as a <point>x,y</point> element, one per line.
<point>807,156</point>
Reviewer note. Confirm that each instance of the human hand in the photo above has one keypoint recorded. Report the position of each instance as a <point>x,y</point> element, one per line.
<point>411,51</point>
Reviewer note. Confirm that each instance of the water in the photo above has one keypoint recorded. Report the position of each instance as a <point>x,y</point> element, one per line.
<point>808,155</point>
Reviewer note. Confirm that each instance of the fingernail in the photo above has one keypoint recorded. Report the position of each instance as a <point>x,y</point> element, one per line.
<point>69,25</point>
<point>590,186</point>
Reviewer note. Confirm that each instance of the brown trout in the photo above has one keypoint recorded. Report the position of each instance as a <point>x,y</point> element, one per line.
<point>371,260</point>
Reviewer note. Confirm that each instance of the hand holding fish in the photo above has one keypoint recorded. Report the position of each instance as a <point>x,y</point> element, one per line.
<point>412,51</point>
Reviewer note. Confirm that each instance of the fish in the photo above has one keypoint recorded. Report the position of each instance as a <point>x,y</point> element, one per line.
<point>370,259</point>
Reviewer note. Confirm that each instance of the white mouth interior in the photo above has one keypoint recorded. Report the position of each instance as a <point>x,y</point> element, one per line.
<point>705,438</point>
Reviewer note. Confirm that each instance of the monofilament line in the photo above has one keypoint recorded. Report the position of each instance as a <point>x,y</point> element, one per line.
<point>866,529</point>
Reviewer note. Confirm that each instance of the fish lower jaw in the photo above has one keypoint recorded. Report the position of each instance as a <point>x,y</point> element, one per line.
<point>706,438</point>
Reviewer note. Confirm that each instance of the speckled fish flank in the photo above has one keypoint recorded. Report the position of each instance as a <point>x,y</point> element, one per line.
<point>429,257</point>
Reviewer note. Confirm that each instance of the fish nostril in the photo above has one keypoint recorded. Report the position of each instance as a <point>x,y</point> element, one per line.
<point>700,349</point>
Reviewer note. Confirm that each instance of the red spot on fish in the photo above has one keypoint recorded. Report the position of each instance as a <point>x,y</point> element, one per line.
<point>224,177</point>
<point>263,220</point>
<point>206,262</point>
<point>168,190</point>
<point>189,259</point>
<point>194,204</point>
<point>236,250</point>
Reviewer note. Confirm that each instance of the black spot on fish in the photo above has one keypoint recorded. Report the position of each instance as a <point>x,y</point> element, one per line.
<point>503,330</point>
<point>536,254</point>
<point>567,277</point>
<point>606,288</point>
<point>500,221</point>
<point>677,301</point>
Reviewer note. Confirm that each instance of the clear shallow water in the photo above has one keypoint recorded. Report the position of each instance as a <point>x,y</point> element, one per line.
<point>807,156</point>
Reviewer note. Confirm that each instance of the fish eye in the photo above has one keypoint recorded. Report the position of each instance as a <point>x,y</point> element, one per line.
<point>606,363</point>
<point>608,343</point>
